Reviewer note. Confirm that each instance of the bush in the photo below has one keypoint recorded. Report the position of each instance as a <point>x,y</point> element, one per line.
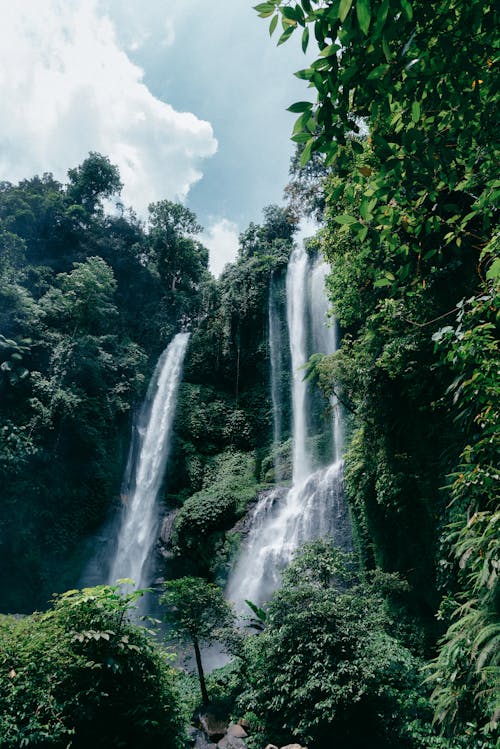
<point>83,675</point>
<point>327,666</point>
<point>229,485</point>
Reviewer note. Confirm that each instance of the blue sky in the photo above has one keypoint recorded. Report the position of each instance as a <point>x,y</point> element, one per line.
<point>188,97</point>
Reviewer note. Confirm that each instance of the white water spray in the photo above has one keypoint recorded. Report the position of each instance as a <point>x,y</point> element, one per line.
<point>146,467</point>
<point>314,507</point>
<point>296,298</point>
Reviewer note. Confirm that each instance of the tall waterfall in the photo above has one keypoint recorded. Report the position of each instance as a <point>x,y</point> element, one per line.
<point>296,298</point>
<point>314,506</point>
<point>275,350</point>
<point>324,338</point>
<point>146,467</point>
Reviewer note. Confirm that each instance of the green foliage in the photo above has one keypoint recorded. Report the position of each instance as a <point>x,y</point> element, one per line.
<point>83,316</point>
<point>229,485</point>
<point>326,664</point>
<point>196,612</point>
<point>466,672</point>
<point>82,674</point>
<point>93,181</point>
<point>403,115</point>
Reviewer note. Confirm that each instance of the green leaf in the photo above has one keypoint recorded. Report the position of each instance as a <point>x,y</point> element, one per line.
<point>273,24</point>
<point>301,124</point>
<point>363,13</point>
<point>305,39</point>
<point>286,35</point>
<point>362,234</point>
<point>494,270</point>
<point>306,153</point>
<point>407,9</point>
<point>345,219</point>
<point>265,8</point>
<point>304,75</point>
<point>306,4</point>
<point>386,49</point>
<point>415,111</point>
<point>344,8</point>
<point>381,282</point>
<point>331,49</point>
<point>300,106</point>
<point>290,13</point>
<point>378,72</point>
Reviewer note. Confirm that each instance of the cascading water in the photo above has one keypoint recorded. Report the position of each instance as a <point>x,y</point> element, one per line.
<point>146,467</point>
<point>324,337</point>
<point>296,297</point>
<point>276,373</point>
<point>314,506</point>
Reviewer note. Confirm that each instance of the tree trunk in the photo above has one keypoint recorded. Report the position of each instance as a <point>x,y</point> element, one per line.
<point>201,675</point>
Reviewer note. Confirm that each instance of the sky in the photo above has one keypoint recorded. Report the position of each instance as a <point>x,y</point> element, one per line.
<point>187,97</point>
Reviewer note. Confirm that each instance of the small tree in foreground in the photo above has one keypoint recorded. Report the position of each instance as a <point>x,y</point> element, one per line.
<point>197,613</point>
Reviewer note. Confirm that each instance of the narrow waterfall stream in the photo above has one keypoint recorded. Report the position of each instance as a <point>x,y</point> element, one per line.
<point>146,467</point>
<point>314,506</point>
<point>275,352</point>
<point>296,299</point>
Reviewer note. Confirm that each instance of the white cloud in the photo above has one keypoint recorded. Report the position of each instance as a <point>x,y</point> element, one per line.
<point>169,32</point>
<point>67,88</point>
<point>221,238</point>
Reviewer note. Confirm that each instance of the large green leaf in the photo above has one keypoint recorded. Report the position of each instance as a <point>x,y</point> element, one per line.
<point>346,220</point>
<point>344,8</point>
<point>363,13</point>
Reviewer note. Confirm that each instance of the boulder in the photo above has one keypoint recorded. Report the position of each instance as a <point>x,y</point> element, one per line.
<point>231,742</point>
<point>271,746</point>
<point>214,728</point>
<point>293,746</point>
<point>237,730</point>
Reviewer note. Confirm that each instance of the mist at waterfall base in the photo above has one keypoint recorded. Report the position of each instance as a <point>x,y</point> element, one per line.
<point>314,506</point>
<point>132,536</point>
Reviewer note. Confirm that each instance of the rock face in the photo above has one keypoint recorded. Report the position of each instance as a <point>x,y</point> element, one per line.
<point>212,727</point>
<point>237,730</point>
<point>231,742</point>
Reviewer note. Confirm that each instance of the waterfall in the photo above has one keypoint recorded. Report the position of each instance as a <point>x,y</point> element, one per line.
<point>324,338</point>
<point>276,373</point>
<point>314,506</point>
<point>146,467</point>
<point>296,298</point>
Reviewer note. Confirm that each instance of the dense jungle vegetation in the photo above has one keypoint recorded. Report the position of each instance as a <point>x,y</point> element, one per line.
<point>396,647</point>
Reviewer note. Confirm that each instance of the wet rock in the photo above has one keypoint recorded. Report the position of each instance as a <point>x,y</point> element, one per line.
<point>271,746</point>
<point>293,746</point>
<point>166,526</point>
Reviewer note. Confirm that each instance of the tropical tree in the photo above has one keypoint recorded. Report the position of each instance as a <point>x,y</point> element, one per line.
<point>196,613</point>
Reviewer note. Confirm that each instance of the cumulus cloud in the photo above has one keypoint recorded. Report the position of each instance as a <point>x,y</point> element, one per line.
<point>221,238</point>
<point>67,88</point>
